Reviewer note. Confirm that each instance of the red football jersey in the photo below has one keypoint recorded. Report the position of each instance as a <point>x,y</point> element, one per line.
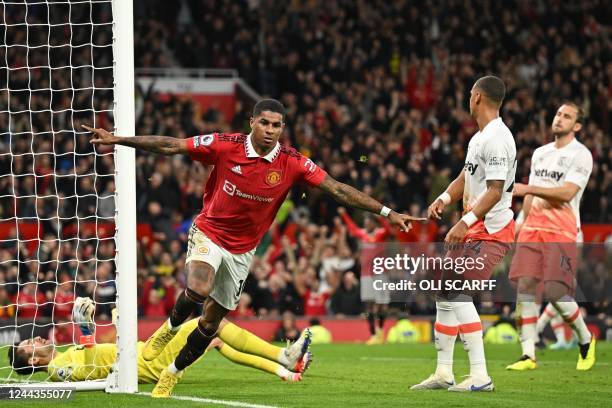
<point>244,190</point>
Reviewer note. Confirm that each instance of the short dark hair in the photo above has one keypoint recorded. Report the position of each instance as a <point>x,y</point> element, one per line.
<point>579,111</point>
<point>493,87</point>
<point>271,105</point>
<point>19,361</point>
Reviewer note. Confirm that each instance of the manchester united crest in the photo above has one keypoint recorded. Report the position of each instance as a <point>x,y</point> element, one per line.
<point>273,177</point>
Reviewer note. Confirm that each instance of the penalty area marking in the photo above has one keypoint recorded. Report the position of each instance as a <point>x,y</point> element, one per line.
<point>213,401</point>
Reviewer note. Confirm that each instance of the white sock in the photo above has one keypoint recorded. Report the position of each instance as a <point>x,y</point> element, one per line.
<point>571,314</point>
<point>558,326</point>
<point>548,313</point>
<point>172,368</point>
<point>282,358</point>
<point>172,328</point>
<point>528,310</point>
<point>282,372</point>
<point>471,330</point>
<point>445,333</point>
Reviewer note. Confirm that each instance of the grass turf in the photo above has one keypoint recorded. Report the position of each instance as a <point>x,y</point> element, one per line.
<point>358,375</point>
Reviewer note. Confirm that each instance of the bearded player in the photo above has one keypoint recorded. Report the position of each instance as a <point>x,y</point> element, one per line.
<point>92,361</point>
<point>546,245</point>
<point>251,177</point>
<point>486,228</point>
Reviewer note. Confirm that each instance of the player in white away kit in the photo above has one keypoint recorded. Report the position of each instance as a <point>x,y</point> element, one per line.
<point>546,245</point>
<point>485,184</point>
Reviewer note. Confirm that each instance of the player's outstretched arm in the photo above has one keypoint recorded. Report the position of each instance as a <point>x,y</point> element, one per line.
<point>453,193</point>
<point>155,144</point>
<point>350,196</point>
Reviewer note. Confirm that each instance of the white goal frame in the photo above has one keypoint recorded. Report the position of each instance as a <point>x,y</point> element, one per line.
<point>125,378</point>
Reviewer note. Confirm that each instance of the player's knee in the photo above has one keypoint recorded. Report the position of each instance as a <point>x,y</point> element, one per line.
<point>553,291</point>
<point>194,296</point>
<point>200,277</point>
<point>444,305</point>
<point>199,290</point>
<point>527,285</point>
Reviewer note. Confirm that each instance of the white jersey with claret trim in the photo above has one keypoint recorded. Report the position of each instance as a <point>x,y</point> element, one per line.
<point>491,155</point>
<point>553,167</point>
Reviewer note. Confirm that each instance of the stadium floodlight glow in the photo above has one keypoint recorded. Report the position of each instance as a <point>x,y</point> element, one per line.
<point>67,209</point>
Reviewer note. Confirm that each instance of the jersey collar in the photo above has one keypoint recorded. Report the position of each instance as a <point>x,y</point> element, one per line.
<point>251,153</point>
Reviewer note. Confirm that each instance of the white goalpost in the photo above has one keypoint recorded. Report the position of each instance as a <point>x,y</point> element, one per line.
<point>125,378</point>
<point>67,209</point>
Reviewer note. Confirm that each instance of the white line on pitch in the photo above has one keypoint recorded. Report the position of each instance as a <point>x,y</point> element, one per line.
<point>213,401</point>
<point>430,359</point>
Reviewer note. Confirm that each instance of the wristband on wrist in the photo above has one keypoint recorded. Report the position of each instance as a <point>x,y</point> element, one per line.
<point>385,211</point>
<point>469,218</point>
<point>445,198</point>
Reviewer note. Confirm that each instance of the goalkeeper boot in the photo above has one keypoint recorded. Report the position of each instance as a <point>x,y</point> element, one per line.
<point>586,356</point>
<point>292,377</point>
<point>303,364</point>
<point>474,384</point>
<point>165,384</point>
<point>435,382</point>
<point>157,342</point>
<point>523,364</point>
<point>296,351</point>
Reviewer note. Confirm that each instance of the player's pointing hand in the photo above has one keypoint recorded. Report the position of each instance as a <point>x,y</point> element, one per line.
<point>101,136</point>
<point>435,209</point>
<point>403,221</point>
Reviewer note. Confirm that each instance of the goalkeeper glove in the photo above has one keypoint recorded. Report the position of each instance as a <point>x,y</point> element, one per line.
<point>82,314</point>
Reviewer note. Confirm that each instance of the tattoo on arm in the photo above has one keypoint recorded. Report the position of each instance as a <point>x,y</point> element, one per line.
<point>350,196</point>
<point>495,190</point>
<point>156,144</point>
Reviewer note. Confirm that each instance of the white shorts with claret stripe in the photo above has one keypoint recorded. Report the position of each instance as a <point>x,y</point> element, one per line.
<point>231,270</point>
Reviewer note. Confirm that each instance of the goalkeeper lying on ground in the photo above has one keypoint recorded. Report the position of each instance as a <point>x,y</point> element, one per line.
<point>90,361</point>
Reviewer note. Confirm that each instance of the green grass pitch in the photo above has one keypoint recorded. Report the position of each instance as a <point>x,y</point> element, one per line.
<point>364,376</point>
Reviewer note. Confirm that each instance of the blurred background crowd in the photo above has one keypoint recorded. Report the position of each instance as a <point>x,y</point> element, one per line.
<point>376,93</point>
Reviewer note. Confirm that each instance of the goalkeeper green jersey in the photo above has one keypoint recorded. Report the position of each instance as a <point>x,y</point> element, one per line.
<point>80,363</point>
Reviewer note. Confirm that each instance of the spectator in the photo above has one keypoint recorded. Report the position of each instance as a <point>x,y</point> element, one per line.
<point>288,331</point>
<point>346,300</point>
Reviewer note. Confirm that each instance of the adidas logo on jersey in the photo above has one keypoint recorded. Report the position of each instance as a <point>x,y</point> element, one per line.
<point>237,169</point>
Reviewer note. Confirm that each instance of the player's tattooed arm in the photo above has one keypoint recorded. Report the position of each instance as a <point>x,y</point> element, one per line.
<point>495,190</point>
<point>155,144</point>
<point>350,196</point>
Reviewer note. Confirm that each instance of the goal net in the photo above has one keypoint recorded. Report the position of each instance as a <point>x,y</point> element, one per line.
<point>61,215</point>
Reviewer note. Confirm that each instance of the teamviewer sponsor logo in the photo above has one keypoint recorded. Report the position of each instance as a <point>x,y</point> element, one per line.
<point>231,190</point>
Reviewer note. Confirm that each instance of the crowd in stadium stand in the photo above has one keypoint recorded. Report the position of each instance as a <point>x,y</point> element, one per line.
<point>376,93</point>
